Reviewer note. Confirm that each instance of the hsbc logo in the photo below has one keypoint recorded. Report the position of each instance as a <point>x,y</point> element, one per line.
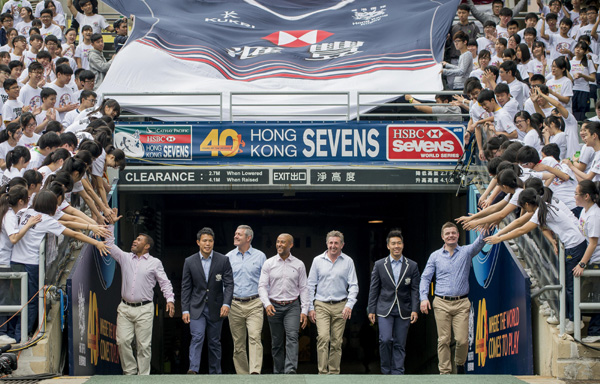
<point>434,134</point>
<point>171,139</point>
<point>295,39</point>
<point>424,143</point>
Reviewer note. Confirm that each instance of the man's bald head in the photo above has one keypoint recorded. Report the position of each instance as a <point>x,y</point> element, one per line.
<point>284,244</point>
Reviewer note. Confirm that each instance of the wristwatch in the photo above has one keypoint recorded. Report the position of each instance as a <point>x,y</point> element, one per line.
<point>582,264</point>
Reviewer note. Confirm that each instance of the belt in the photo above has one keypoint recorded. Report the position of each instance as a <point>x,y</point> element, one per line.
<point>284,302</point>
<point>334,301</point>
<point>452,298</point>
<point>245,299</point>
<point>136,304</point>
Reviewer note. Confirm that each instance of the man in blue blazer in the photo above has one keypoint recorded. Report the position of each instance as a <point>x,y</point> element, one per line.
<point>394,299</point>
<point>206,293</point>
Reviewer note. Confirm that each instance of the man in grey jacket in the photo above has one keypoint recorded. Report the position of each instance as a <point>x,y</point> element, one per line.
<point>98,63</point>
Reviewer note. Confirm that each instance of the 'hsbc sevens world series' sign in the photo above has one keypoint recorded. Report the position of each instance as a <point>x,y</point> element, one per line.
<point>423,142</point>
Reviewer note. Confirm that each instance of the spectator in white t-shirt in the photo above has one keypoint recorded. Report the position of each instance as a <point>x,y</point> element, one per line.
<point>553,133</point>
<point>97,22</point>
<point>510,75</point>
<point>561,86</point>
<point>503,123</point>
<point>84,47</point>
<point>583,72</point>
<point>49,28</point>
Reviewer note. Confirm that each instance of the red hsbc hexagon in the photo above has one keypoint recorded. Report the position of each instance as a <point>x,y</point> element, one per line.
<point>413,142</point>
<point>295,39</point>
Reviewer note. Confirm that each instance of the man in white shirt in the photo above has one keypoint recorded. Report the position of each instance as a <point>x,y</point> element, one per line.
<point>65,101</point>
<point>87,100</point>
<point>503,124</point>
<point>30,93</point>
<point>48,28</point>
<point>97,22</point>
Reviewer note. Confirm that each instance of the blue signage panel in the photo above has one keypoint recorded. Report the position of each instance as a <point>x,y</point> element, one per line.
<point>255,143</point>
<point>500,331</point>
<point>94,290</point>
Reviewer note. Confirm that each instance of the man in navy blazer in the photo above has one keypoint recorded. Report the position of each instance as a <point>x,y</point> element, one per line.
<point>206,293</point>
<point>394,298</point>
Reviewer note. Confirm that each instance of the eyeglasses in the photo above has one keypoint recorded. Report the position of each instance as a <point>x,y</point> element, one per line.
<point>519,121</point>
<point>89,81</point>
<point>92,101</point>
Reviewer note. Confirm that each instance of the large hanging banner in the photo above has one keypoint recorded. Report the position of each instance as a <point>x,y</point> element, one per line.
<point>280,46</point>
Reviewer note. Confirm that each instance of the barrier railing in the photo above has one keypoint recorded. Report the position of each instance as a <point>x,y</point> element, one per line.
<point>290,106</point>
<point>24,299</point>
<point>362,103</point>
<point>546,267</point>
<point>252,100</point>
<point>579,306</point>
<point>213,101</point>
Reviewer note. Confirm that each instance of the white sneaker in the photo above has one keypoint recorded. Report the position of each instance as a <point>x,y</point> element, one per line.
<point>570,327</point>
<point>591,339</point>
<point>5,339</point>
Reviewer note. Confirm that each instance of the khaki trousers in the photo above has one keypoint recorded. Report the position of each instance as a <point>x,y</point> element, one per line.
<point>452,316</point>
<point>246,320</point>
<point>330,334</point>
<point>135,321</point>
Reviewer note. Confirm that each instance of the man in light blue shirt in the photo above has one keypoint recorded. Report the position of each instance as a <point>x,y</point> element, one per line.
<point>246,315</point>
<point>451,265</point>
<point>333,288</point>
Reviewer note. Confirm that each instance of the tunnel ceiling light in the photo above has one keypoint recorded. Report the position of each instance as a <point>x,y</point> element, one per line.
<point>375,221</point>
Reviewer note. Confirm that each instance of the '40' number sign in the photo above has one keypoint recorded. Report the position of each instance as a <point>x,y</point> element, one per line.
<point>227,143</point>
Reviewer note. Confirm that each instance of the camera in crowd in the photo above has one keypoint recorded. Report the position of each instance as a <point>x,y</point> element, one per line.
<point>8,361</point>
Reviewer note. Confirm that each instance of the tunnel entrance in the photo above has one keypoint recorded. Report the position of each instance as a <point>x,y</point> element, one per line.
<point>365,218</point>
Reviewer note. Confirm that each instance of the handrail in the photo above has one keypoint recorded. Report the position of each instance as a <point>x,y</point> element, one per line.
<point>577,301</point>
<point>563,292</point>
<point>24,299</point>
<point>215,107</point>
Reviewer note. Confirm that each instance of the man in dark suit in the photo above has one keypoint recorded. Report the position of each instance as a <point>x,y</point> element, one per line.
<point>206,293</point>
<point>394,298</point>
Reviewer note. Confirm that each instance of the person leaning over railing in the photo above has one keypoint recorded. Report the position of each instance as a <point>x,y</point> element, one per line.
<point>548,215</point>
<point>450,110</point>
<point>25,255</point>
<point>11,202</point>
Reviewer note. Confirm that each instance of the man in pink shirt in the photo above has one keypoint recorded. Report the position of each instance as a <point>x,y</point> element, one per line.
<point>140,272</point>
<point>283,291</point>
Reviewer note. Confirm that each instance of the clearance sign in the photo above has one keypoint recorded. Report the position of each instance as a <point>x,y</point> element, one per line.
<point>258,143</point>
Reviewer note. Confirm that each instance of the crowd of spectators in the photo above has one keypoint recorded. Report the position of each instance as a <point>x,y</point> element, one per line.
<point>527,90</point>
<point>56,137</point>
